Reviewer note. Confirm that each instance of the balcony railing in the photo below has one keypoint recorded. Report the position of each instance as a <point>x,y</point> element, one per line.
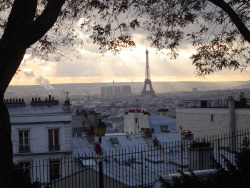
<point>242,103</point>
<point>24,149</point>
<point>54,147</point>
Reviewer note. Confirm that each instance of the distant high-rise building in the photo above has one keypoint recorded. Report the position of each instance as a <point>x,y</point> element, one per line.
<point>195,89</point>
<point>115,91</point>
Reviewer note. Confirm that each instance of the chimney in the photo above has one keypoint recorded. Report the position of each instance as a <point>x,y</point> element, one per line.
<point>37,101</point>
<point>199,156</point>
<point>67,101</point>
<point>14,102</point>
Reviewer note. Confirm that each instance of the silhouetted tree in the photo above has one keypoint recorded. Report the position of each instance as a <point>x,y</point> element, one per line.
<point>46,28</point>
<point>22,178</point>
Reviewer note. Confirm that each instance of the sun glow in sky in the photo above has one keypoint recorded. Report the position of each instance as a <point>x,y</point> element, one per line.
<point>127,66</point>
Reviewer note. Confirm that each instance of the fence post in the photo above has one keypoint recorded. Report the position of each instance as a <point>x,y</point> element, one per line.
<point>218,148</point>
<point>181,158</point>
<point>141,167</point>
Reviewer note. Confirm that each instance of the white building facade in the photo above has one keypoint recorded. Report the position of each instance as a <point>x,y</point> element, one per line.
<point>211,120</point>
<point>41,133</point>
<point>135,121</point>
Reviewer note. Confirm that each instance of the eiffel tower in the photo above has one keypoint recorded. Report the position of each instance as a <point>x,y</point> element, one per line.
<point>147,81</point>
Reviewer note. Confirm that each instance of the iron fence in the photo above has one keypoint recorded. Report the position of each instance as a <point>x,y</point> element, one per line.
<point>136,167</point>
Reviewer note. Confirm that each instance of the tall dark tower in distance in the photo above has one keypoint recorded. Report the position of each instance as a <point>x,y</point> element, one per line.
<point>147,81</point>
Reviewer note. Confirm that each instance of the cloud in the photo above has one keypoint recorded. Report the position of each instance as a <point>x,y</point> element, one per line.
<point>44,82</point>
<point>29,74</point>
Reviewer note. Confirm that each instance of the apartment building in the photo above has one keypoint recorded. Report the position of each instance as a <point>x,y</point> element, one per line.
<point>41,131</point>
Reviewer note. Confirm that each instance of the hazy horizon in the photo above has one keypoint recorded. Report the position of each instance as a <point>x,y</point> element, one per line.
<point>111,82</point>
<point>136,87</point>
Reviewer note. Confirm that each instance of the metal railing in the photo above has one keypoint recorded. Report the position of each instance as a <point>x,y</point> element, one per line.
<point>136,167</point>
<point>24,149</point>
<point>243,103</point>
<point>54,148</point>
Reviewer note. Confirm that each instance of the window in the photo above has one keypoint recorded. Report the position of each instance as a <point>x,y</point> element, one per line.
<point>53,140</point>
<point>54,169</point>
<point>74,134</point>
<point>164,127</point>
<point>24,141</point>
<point>212,118</point>
<point>135,120</point>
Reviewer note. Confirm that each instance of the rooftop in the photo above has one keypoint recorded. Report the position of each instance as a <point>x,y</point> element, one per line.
<point>32,110</point>
<point>116,142</point>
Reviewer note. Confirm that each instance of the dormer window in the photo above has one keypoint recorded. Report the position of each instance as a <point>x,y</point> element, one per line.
<point>164,127</point>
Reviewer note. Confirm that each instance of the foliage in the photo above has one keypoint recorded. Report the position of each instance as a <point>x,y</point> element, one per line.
<point>22,178</point>
<point>235,176</point>
<point>219,30</point>
<point>209,25</point>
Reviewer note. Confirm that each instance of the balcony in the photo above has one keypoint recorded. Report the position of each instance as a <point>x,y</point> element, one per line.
<point>24,149</point>
<point>54,148</point>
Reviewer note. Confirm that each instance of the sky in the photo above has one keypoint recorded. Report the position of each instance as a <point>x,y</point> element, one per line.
<point>128,66</point>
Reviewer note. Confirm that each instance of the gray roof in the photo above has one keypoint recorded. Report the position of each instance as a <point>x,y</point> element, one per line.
<point>36,114</point>
<point>155,121</point>
<point>82,147</point>
<point>126,142</point>
<point>32,110</point>
<point>168,137</point>
<point>125,152</point>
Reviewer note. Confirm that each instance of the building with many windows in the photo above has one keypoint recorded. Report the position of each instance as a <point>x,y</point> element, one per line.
<point>115,91</point>
<point>41,131</point>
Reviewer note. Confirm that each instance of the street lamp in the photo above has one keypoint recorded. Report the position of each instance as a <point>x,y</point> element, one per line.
<point>137,116</point>
<point>100,131</point>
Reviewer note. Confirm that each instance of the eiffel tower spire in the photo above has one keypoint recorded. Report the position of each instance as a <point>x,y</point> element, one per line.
<point>147,81</point>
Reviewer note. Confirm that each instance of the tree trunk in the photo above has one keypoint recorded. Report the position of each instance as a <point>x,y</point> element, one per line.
<point>22,30</point>
<point>12,59</point>
<point>6,154</point>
